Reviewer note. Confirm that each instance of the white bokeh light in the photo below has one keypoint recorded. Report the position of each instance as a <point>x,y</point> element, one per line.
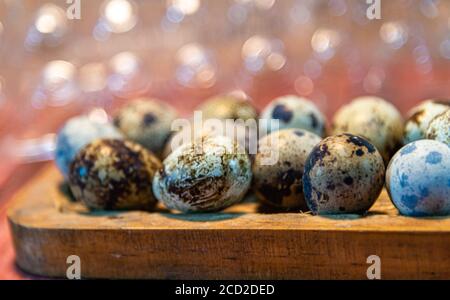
<point>57,86</point>
<point>50,19</point>
<point>125,63</point>
<point>127,74</point>
<point>195,66</point>
<point>120,15</point>
<point>58,72</point>
<point>394,34</point>
<point>261,53</point>
<point>324,42</point>
<point>49,27</point>
<point>186,7</point>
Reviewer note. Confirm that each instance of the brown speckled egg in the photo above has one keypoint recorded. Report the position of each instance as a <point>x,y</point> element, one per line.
<point>147,122</point>
<point>419,118</point>
<point>228,107</point>
<point>209,174</point>
<point>293,112</point>
<point>114,174</point>
<point>343,174</point>
<point>439,129</point>
<point>278,182</point>
<point>373,118</point>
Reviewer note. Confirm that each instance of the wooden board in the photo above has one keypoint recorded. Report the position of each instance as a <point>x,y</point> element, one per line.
<point>243,242</point>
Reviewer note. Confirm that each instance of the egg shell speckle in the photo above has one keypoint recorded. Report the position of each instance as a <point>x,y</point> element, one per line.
<point>294,112</point>
<point>419,118</point>
<point>114,174</point>
<point>418,179</point>
<point>244,133</point>
<point>147,122</point>
<point>280,184</point>
<point>228,107</point>
<point>208,175</point>
<point>76,133</point>
<point>439,129</point>
<point>343,174</point>
<point>374,119</point>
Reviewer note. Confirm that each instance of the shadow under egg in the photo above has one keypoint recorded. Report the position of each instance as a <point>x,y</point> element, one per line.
<point>203,217</point>
<point>64,189</point>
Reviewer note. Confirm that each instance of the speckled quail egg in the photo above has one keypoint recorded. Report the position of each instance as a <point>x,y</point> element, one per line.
<point>228,107</point>
<point>419,118</point>
<point>439,128</point>
<point>76,133</point>
<point>418,179</point>
<point>343,174</point>
<point>209,174</point>
<point>114,174</point>
<point>293,112</point>
<point>245,134</point>
<point>373,118</point>
<point>279,165</point>
<point>147,122</point>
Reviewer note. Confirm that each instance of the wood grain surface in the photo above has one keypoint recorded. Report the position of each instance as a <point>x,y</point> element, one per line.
<point>245,241</point>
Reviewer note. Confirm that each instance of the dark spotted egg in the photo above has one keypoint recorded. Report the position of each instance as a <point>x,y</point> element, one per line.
<point>439,128</point>
<point>147,122</point>
<point>418,179</point>
<point>419,118</point>
<point>343,174</point>
<point>294,112</point>
<point>278,167</point>
<point>209,174</point>
<point>114,174</point>
<point>373,118</point>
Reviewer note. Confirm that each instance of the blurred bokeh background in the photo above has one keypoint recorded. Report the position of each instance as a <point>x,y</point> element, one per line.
<point>183,51</point>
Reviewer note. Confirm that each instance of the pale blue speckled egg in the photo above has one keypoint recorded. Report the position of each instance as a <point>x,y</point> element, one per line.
<point>418,179</point>
<point>76,133</point>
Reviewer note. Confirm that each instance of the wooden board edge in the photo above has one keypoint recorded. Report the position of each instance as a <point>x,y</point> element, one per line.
<point>237,254</point>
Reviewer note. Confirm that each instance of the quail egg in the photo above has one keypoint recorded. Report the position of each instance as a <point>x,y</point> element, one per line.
<point>343,174</point>
<point>293,112</point>
<point>209,174</point>
<point>76,133</point>
<point>147,122</point>
<point>245,134</point>
<point>373,118</point>
<point>439,128</point>
<point>278,167</point>
<point>228,106</point>
<point>114,174</point>
<point>418,179</point>
<point>419,119</point>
